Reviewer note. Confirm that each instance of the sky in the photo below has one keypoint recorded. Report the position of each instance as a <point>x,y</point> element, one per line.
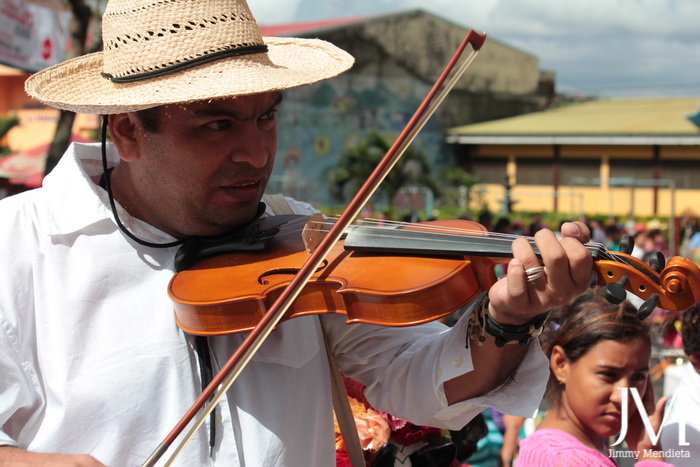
<point>604,48</point>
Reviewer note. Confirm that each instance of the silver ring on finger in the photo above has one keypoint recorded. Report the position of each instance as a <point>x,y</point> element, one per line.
<point>534,273</point>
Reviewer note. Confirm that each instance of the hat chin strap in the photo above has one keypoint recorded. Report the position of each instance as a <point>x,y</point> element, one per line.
<point>107,172</point>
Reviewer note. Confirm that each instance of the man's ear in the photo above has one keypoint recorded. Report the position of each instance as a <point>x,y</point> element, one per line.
<point>124,129</point>
<point>559,364</point>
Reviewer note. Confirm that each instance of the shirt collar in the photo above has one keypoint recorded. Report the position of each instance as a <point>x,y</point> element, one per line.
<point>77,202</point>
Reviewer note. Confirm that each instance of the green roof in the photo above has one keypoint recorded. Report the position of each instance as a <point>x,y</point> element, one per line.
<point>628,117</point>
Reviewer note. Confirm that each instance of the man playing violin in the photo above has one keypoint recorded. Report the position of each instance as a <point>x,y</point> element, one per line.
<point>94,368</point>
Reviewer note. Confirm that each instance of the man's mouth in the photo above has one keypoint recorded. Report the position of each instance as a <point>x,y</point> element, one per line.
<point>244,185</point>
<point>243,191</point>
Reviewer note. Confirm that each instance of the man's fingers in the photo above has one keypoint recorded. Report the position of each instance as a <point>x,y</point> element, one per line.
<point>580,262</point>
<point>577,230</point>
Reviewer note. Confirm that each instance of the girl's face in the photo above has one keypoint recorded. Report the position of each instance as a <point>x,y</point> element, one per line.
<point>591,402</point>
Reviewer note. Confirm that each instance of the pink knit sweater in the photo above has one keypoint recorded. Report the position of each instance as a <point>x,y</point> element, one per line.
<point>551,448</point>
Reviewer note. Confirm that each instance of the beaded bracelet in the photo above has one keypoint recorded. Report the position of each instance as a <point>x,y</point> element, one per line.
<point>482,325</point>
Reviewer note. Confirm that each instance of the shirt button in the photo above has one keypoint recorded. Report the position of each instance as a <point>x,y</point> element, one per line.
<point>457,362</point>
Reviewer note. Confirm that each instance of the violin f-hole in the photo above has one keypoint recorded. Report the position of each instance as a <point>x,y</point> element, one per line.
<point>286,271</point>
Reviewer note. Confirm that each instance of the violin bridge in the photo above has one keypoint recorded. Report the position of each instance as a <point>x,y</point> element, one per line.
<point>314,230</point>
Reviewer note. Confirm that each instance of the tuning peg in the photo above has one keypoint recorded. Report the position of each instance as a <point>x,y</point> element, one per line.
<point>647,307</point>
<point>615,292</point>
<point>627,244</point>
<point>657,261</point>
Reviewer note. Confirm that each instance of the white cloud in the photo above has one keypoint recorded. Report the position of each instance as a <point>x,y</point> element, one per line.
<point>609,47</point>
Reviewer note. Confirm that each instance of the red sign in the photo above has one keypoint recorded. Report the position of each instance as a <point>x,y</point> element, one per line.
<point>32,37</point>
<point>46,49</point>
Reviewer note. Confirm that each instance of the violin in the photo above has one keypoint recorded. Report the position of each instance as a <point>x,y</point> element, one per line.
<point>399,274</point>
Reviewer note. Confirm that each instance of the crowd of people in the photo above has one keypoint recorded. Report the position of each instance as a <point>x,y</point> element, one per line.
<point>649,237</point>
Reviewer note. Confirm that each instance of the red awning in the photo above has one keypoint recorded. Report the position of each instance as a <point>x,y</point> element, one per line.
<point>27,167</point>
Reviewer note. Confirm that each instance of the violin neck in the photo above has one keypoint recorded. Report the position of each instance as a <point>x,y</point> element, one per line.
<point>420,243</point>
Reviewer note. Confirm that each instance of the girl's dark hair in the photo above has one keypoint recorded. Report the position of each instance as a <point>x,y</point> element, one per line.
<point>690,330</point>
<point>579,325</point>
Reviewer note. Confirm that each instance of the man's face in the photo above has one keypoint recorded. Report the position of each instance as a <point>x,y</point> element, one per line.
<point>206,167</point>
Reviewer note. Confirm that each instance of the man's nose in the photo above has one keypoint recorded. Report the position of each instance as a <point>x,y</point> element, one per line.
<point>251,145</point>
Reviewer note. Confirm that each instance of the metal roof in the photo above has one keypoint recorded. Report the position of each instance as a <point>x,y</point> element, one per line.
<point>662,121</point>
<point>290,29</point>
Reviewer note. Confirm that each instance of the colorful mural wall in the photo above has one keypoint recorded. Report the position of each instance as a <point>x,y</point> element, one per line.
<point>317,123</point>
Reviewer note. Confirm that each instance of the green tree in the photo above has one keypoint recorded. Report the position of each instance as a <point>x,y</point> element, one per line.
<point>458,178</point>
<point>6,124</point>
<point>357,163</point>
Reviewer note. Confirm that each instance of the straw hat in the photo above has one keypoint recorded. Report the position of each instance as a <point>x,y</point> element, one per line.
<point>168,51</point>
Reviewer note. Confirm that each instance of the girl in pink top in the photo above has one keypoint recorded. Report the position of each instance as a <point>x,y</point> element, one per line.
<point>595,348</point>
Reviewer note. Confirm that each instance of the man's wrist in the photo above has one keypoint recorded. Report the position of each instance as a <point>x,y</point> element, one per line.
<point>482,326</point>
<point>510,319</point>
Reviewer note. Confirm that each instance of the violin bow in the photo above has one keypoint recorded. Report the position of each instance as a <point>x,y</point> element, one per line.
<point>240,358</point>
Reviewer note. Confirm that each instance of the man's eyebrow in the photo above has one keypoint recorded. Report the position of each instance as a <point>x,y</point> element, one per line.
<point>214,110</point>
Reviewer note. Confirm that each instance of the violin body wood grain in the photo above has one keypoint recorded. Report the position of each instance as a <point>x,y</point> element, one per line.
<point>230,293</point>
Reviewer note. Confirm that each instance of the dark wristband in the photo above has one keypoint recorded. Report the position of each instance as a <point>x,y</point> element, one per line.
<point>482,325</point>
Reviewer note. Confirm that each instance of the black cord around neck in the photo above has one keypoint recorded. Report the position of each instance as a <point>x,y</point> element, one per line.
<point>202,348</point>
<point>108,187</point>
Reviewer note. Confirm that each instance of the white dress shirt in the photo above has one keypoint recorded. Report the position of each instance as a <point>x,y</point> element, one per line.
<point>680,433</point>
<point>92,361</point>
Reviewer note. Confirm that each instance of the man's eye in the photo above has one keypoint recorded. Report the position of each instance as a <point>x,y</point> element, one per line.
<point>218,125</point>
<point>269,115</point>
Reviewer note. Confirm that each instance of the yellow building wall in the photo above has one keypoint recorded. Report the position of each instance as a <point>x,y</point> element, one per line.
<point>37,127</point>
<point>592,201</point>
<point>37,123</point>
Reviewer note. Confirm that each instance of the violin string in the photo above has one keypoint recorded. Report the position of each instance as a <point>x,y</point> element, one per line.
<point>598,248</point>
<point>389,225</point>
<point>294,227</point>
<point>475,236</point>
<point>297,225</point>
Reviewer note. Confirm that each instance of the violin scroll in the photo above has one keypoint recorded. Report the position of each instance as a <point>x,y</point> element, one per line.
<point>681,276</point>
<point>676,287</point>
